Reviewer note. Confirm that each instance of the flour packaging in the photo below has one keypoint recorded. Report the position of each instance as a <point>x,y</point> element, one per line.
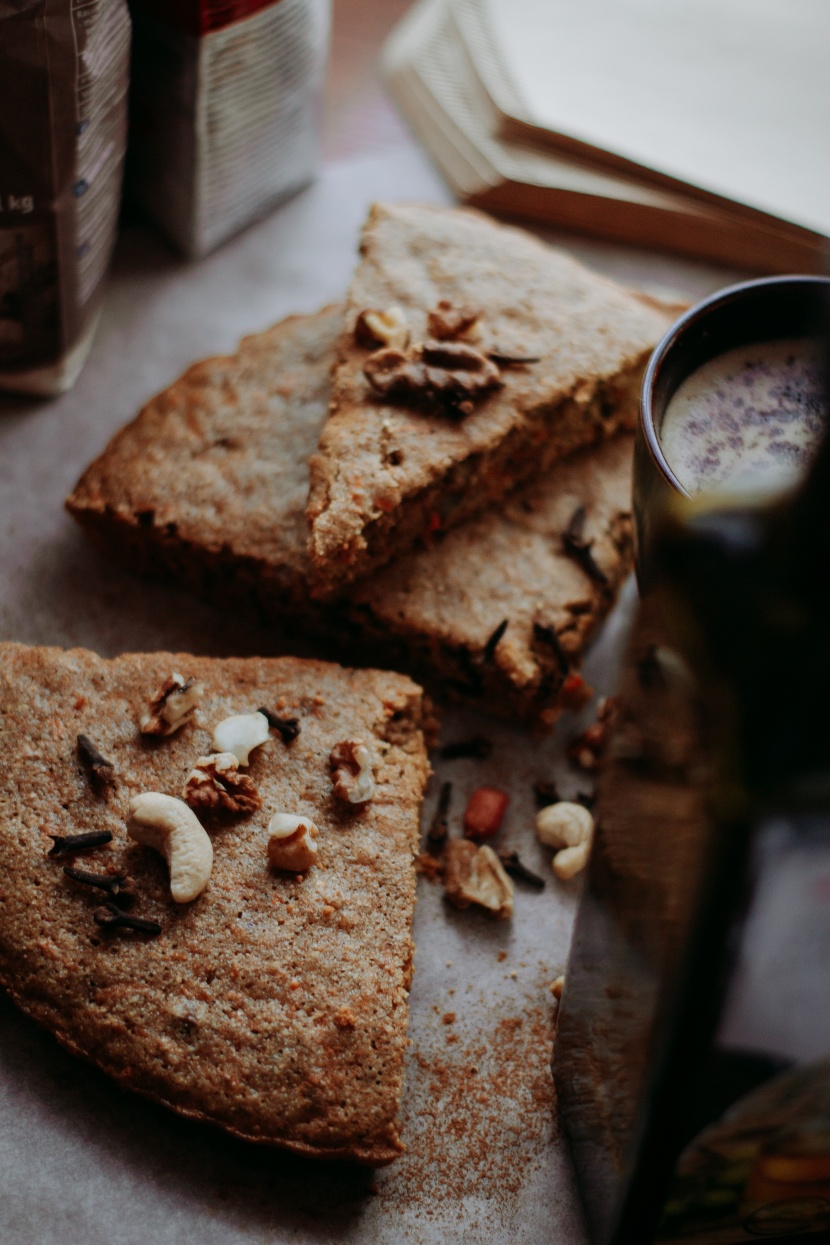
<point>224,111</point>
<point>64,68</point>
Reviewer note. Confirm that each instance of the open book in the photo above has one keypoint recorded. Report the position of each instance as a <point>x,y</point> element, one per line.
<point>476,97</point>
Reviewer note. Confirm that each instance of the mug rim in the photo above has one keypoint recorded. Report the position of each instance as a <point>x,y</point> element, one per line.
<point>714,301</point>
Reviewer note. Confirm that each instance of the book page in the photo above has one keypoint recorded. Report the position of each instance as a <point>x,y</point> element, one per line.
<point>729,96</point>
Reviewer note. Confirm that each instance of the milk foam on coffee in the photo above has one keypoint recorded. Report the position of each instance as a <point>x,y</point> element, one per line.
<point>748,419</point>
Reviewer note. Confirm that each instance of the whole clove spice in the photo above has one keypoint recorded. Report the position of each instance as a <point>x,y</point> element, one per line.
<point>580,549</point>
<point>546,793</point>
<point>478,749</point>
<point>505,359</point>
<point>64,844</point>
<point>514,866</point>
<point>101,771</point>
<point>110,917</point>
<point>546,635</point>
<point>120,884</point>
<point>492,644</point>
<point>438,829</point>
<point>288,728</point>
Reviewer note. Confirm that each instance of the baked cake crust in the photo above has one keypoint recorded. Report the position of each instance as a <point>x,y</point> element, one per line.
<point>386,472</point>
<point>207,487</point>
<point>274,1005</point>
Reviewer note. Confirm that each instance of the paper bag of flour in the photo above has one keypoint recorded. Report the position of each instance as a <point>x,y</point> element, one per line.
<point>64,68</point>
<point>224,111</point>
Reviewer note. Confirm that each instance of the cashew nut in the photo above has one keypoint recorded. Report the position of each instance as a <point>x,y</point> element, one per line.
<point>240,734</point>
<point>571,860</point>
<point>291,845</point>
<point>564,824</point>
<point>171,828</point>
<point>569,828</point>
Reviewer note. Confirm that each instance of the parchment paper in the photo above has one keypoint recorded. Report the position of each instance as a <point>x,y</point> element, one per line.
<point>84,1162</point>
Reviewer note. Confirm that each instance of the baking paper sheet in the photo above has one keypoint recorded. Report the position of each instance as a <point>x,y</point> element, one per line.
<point>82,1161</point>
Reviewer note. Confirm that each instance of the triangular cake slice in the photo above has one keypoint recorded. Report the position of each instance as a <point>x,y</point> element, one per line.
<point>275,1003</point>
<point>473,357</point>
<point>207,487</point>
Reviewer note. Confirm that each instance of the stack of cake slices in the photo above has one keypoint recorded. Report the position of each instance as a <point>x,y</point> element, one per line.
<point>433,476</point>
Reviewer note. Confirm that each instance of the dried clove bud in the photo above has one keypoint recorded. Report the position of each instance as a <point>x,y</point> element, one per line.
<point>437,832</point>
<point>288,728</point>
<point>66,843</point>
<point>580,549</point>
<point>120,884</point>
<point>493,642</point>
<point>110,917</point>
<point>478,748</point>
<point>546,793</point>
<point>506,358</point>
<point>513,866</point>
<point>546,635</point>
<point>101,771</point>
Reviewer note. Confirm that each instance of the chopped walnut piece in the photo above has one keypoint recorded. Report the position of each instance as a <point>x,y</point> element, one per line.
<point>474,875</point>
<point>448,321</point>
<point>172,705</point>
<point>292,845</point>
<point>216,783</point>
<point>351,771</point>
<point>382,328</point>
<point>453,374</point>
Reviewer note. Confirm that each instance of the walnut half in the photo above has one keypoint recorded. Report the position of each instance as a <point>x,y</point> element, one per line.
<point>452,374</point>
<point>351,771</point>
<point>475,875</point>
<point>172,705</point>
<point>216,783</point>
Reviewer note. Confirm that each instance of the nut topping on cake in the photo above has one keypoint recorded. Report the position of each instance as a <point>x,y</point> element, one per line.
<point>452,374</point>
<point>240,734</point>
<point>382,328</point>
<point>448,321</point>
<point>292,843</point>
<point>216,783</point>
<point>171,828</point>
<point>351,771</point>
<point>172,705</point>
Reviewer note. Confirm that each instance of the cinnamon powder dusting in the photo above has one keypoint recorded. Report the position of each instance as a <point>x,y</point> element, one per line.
<point>477,1114</point>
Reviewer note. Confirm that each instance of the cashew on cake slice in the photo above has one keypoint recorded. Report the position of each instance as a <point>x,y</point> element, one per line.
<point>263,944</point>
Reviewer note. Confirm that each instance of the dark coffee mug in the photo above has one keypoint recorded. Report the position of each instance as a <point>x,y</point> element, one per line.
<point>755,311</point>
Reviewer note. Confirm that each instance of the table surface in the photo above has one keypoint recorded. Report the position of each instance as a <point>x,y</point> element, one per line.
<point>80,1161</point>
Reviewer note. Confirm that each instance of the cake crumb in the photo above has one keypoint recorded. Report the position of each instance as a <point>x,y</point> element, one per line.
<point>429,866</point>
